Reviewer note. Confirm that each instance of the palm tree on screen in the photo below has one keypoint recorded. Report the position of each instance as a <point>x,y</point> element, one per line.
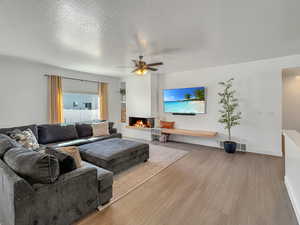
<point>199,94</point>
<point>187,96</point>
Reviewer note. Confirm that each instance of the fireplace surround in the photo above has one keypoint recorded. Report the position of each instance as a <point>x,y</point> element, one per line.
<point>141,122</point>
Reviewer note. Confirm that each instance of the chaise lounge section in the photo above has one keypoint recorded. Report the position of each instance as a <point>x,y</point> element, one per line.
<point>115,154</point>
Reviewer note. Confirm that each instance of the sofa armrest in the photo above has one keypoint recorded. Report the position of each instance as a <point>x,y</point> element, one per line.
<point>73,195</point>
<point>16,196</point>
<point>77,174</point>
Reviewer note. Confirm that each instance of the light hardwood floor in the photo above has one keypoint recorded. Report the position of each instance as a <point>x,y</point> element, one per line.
<point>206,187</point>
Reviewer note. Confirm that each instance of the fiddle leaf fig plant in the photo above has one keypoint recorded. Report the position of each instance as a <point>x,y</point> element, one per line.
<point>229,114</point>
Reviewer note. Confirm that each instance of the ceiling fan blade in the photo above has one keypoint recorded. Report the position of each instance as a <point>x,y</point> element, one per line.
<point>152,69</point>
<point>135,70</point>
<point>155,64</point>
<point>135,62</point>
<point>124,67</point>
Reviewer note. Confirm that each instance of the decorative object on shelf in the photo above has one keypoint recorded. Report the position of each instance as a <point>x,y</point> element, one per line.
<point>123,94</point>
<point>230,116</point>
<point>122,91</point>
<point>123,102</point>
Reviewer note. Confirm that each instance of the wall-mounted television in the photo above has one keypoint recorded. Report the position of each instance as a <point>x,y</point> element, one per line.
<point>185,100</point>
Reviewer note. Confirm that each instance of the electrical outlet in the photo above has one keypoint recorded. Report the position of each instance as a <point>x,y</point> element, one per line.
<point>221,144</point>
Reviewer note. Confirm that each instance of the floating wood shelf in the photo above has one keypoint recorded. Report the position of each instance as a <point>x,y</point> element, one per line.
<point>195,133</point>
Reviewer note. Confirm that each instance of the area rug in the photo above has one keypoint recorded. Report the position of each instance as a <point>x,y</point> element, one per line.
<point>160,158</point>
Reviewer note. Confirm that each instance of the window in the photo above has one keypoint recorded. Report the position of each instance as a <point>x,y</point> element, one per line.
<point>79,107</point>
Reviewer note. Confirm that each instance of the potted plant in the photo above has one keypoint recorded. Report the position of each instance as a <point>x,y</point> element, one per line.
<point>230,116</point>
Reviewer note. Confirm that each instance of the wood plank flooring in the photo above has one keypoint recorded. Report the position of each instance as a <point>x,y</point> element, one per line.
<point>206,187</point>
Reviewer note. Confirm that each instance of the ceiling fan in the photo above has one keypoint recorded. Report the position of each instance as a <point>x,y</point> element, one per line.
<point>141,67</point>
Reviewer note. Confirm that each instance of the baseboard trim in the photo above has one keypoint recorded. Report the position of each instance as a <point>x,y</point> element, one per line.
<point>250,150</point>
<point>215,145</point>
<point>279,154</point>
<point>291,194</point>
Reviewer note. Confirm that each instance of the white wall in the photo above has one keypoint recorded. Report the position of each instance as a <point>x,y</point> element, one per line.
<point>141,101</point>
<point>259,88</point>
<point>138,96</point>
<point>23,91</point>
<point>290,98</point>
<point>292,168</point>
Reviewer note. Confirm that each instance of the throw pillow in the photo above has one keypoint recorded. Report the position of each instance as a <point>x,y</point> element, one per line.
<point>100,129</point>
<point>66,162</point>
<point>74,152</point>
<point>6,143</point>
<point>26,138</point>
<point>84,130</point>
<point>168,125</point>
<point>36,167</point>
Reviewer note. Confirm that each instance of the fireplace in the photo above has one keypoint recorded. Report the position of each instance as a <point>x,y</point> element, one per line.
<point>141,122</point>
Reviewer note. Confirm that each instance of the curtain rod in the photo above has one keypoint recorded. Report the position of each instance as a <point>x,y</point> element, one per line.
<point>70,78</point>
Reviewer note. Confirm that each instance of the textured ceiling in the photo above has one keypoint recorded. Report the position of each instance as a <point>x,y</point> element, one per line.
<point>102,36</point>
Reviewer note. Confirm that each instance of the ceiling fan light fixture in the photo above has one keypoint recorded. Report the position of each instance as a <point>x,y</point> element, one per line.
<point>141,72</point>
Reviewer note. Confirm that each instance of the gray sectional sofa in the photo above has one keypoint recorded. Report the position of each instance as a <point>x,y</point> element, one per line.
<point>76,192</point>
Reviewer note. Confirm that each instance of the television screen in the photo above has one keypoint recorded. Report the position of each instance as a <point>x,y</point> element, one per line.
<point>185,100</point>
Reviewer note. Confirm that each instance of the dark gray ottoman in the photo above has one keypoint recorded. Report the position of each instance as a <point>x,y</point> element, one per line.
<point>105,179</point>
<point>115,154</point>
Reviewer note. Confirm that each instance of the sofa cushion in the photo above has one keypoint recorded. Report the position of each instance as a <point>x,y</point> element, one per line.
<point>82,141</point>
<point>66,162</point>
<point>6,143</point>
<point>36,167</point>
<point>101,138</point>
<point>50,133</point>
<point>32,127</point>
<point>84,130</point>
<point>75,142</point>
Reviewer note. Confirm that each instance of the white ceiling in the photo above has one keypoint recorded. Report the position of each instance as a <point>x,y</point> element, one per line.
<point>101,36</point>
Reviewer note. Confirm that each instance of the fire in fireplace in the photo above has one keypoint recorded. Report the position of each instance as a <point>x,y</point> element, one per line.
<point>141,122</point>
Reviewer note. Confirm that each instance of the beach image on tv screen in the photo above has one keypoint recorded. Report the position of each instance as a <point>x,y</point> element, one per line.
<point>185,100</point>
